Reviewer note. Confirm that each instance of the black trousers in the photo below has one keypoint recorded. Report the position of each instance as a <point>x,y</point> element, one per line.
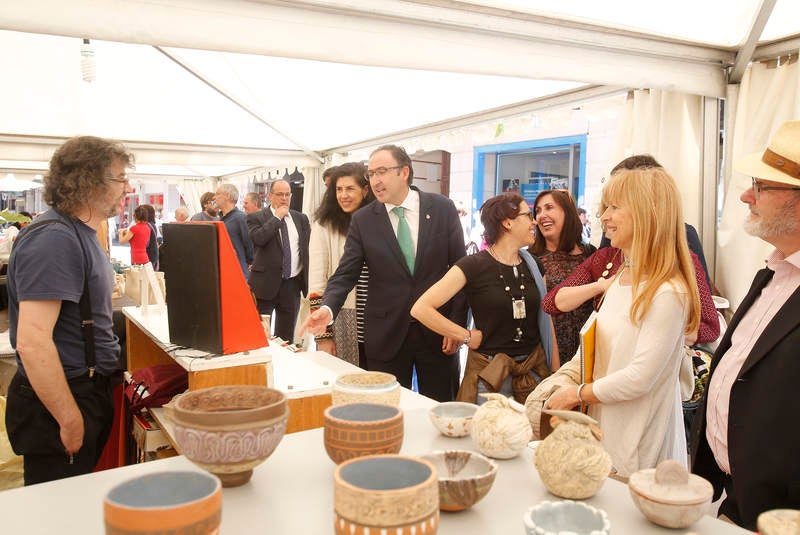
<point>287,306</point>
<point>437,373</point>
<point>34,433</point>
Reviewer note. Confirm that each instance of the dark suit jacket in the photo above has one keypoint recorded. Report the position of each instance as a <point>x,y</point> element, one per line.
<point>264,231</point>
<point>763,431</point>
<point>392,289</point>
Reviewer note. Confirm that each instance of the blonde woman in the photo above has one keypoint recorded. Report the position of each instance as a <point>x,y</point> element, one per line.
<point>649,306</point>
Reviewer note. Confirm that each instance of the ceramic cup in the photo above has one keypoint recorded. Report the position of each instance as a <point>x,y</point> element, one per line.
<point>366,387</point>
<point>179,503</point>
<point>453,418</point>
<point>385,494</point>
<point>358,429</point>
<point>229,430</point>
<point>566,516</point>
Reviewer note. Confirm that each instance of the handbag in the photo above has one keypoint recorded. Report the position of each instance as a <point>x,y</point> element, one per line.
<point>154,386</point>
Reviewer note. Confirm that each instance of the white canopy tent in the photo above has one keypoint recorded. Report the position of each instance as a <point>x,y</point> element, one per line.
<point>221,88</point>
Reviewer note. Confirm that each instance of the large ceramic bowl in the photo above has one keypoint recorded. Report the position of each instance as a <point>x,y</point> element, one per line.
<point>453,418</point>
<point>229,430</point>
<point>179,503</point>
<point>385,494</point>
<point>566,516</point>
<point>358,429</point>
<point>465,477</point>
<point>669,496</point>
<point>366,387</point>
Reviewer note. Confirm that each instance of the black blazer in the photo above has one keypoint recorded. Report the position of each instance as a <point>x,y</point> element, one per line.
<point>763,431</point>
<point>392,289</point>
<point>264,231</point>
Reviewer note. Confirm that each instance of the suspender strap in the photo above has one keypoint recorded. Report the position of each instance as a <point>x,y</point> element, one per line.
<point>85,303</point>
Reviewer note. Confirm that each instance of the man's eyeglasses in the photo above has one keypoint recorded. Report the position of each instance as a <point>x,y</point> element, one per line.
<point>281,194</point>
<point>121,180</point>
<point>529,214</point>
<point>758,187</point>
<point>380,171</point>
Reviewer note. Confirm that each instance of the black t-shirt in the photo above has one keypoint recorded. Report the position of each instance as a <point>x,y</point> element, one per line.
<point>491,304</point>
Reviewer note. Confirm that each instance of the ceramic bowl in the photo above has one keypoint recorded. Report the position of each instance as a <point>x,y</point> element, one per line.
<point>566,516</point>
<point>779,522</point>
<point>358,429</point>
<point>465,477</point>
<point>453,418</point>
<point>229,430</point>
<point>674,502</point>
<point>385,494</point>
<point>367,387</point>
<point>179,503</point>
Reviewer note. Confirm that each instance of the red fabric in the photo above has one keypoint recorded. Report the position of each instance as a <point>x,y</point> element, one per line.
<point>241,324</point>
<point>113,455</point>
<point>141,235</point>
<point>592,268</point>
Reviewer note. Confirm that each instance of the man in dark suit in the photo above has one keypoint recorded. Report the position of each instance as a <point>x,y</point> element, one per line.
<point>280,263</point>
<point>745,438</point>
<point>408,239</point>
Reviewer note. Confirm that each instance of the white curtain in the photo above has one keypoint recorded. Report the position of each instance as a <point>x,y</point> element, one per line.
<point>669,126</point>
<point>313,190</point>
<point>768,96</point>
<point>191,189</point>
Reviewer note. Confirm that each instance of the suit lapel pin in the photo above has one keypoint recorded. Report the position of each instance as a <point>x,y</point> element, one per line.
<point>427,216</point>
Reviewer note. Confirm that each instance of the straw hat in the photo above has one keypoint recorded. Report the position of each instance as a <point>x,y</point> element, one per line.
<point>780,162</point>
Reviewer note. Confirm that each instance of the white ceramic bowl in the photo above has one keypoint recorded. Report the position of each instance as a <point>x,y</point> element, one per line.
<point>567,516</point>
<point>673,504</point>
<point>453,418</point>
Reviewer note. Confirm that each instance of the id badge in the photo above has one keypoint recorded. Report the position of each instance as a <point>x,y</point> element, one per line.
<point>518,306</point>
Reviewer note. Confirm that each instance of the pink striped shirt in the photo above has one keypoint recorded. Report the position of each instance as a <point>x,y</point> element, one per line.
<point>783,284</point>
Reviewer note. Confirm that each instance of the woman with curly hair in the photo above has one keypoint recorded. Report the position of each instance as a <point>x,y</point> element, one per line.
<point>348,191</point>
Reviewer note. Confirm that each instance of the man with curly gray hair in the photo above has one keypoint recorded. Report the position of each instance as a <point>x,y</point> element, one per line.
<point>60,409</point>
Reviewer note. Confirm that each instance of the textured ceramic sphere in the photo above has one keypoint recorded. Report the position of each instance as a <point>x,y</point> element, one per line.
<point>500,428</point>
<point>366,387</point>
<point>566,516</point>
<point>385,494</point>
<point>465,477</point>
<point>669,496</point>
<point>453,418</point>
<point>358,429</point>
<point>229,430</point>
<point>179,503</point>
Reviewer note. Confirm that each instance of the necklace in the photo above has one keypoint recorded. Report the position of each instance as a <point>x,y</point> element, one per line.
<point>513,263</point>
<point>518,310</point>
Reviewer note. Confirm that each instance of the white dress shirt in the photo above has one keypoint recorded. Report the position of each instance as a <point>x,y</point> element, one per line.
<point>294,242</point>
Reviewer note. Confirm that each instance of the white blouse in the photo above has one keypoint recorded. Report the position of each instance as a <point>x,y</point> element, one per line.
<point>636,378</point>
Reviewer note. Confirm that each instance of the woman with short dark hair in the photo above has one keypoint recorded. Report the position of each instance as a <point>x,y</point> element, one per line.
<point>511,346</point>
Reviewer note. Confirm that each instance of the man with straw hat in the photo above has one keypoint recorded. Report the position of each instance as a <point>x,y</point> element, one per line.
<point>745,439</point>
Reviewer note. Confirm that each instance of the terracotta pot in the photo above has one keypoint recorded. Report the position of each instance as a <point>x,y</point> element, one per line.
<point>453,418</point>
<point>229,430</point>
<point>358,429</point>
<point>465,477</point>
<point>179,503</point>
<point>385,494</point>
<point>367,387</point>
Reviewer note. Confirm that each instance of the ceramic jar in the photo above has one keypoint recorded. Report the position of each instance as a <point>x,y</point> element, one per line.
<point>571,461</point>
<point>669,495</point>
<point>229,430</point>
<point>779,522</point>
<point>358,429</point>
<point>385,494</point>
<point>179,503</point>
<point>500,428</point>
<point>367,387</point>
<point>465,477</point>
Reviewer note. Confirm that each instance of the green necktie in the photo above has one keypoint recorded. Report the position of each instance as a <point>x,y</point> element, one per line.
<point>404,237</point>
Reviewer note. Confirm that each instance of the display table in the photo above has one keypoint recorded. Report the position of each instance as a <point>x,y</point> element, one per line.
<point>306,378</point>
<point>292,492</point>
